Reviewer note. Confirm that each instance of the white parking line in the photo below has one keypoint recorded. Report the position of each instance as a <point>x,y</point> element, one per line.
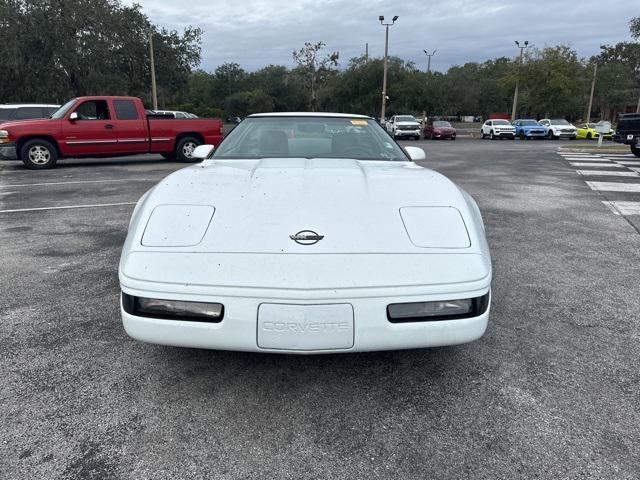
<point>614,186</point>
<point>634,163</point>
<point>585,159</point>
<point>594,164</point>
<point>608,173</point>
<point>623,208</point>
<point>66,207</point>
<point>78,181</point>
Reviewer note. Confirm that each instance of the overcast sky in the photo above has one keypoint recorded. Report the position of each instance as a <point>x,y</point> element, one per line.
<point>256,33</point>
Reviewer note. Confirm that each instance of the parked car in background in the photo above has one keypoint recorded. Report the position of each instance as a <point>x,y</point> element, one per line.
<point>628,132</point>
<point>589,131</point>
<point>559,128</point>
<point>529,128</point>
<point>102,127</point>
<point>404,126</point>
<point>175,113</point>
<point>26,111</point>
<point>439,129</point>
<point>498,129</point>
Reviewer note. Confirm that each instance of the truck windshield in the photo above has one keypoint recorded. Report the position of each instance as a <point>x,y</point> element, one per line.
<point>309,137</point>
<point>62,111</point>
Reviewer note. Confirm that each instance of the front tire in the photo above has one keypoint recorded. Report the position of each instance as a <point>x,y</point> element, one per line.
<point>550,135</point>
<point>635,150</point>
<point>589,136</point>
<point>491,135</point>
<point>38,154</point>
<point>185,147</point>
<point>522,135</point>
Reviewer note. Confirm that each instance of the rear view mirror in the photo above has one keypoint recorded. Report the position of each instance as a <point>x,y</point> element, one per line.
<point>415,153</point>
<point>73,117</point>
<point>202,152</point>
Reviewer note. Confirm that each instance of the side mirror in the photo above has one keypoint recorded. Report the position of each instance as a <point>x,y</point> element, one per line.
<point>415,153</point>
<point>202,152</point>
<point>73,117</point>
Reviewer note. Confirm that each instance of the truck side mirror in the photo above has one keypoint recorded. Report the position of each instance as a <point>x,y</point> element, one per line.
<point>73,117</point>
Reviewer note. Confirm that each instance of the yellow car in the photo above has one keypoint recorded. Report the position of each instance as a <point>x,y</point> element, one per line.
<point>588,131</point>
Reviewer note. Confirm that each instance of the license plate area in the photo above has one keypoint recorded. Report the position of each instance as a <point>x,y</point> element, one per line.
<point>305,327</point>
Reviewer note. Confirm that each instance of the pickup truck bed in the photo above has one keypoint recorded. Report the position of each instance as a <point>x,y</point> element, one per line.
<point>101,127</point>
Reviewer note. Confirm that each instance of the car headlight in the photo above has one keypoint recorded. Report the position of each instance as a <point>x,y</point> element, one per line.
<point>438,310</point>
<point>173,309</point>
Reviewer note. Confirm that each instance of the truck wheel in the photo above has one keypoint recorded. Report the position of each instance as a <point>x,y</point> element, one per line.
<point>185,148</point>
<point>38,154</point>
<point>635,150</point>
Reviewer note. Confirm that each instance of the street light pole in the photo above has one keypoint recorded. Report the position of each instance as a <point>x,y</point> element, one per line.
<point>515,94</point>
<point>154,93</point>
<point>386,56</point>
<point>593,86</point>
<point>429,55</point>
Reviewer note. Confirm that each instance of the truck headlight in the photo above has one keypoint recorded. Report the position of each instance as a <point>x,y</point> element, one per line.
<point>4,136</point>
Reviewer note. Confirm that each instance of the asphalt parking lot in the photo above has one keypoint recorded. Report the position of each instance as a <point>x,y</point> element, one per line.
<point>551,391</point>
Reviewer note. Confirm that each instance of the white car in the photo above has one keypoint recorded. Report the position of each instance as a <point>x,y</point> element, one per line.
<point>559,128</point>
<point>306,233</point>
<point>498,129</point>
<point>404,126</point>
<point>175,113</point>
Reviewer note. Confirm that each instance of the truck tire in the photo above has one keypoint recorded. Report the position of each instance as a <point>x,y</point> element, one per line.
<point>38,154</point>
<point>635,150</point>
<point>185,147</point>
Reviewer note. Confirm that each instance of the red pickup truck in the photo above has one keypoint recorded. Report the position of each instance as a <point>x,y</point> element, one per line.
<point>104,127</point>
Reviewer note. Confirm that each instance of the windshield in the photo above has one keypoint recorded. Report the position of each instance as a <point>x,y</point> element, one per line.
<point>406,118</point>
<point>560,121</point>
<point>309,137</point>
<point>62,111</point>
<point>528,122</point>
<point>501,122</point>
<point>442,124</point>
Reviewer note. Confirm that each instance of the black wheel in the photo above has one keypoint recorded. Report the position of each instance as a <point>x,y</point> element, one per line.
<point>589,136</point>
<point>482,135</point>
<point>185,147</point>
<point>550,135</point>
<point>635,150</point>
<point>522,135</point>
<point>491,135</point>
<point>453,138</point>
<point>38,154</point>
<point>512,137</point>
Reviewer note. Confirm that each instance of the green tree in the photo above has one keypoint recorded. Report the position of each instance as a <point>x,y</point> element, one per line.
<point>314,68</point>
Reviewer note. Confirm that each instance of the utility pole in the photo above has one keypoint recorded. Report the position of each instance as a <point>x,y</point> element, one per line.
<point>386,57</point>
<point>366,52</point>
<point>515,94</point>
<point>154,93</point>
<point>429,55</point>
<point>593,87</point>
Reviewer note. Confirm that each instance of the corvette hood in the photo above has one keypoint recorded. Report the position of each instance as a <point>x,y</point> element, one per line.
<point>254,206</point>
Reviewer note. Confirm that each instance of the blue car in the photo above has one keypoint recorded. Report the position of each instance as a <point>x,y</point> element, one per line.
<point>526,129</point>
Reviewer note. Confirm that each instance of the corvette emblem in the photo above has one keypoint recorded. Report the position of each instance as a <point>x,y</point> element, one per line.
<point>306,237</point>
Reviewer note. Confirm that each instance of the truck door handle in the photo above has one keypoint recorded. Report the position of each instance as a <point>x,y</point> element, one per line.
<point>109,126</point>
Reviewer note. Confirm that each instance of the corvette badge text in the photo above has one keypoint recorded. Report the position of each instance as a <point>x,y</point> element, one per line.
<point>314,327</point>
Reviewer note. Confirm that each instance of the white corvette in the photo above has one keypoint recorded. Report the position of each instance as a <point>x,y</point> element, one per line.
<point>306,233</point>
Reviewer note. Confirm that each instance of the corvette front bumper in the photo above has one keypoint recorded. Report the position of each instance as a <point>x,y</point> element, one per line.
<point>317,319</point>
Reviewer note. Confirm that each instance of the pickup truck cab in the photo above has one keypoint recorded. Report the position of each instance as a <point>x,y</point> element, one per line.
<point>104,127</point>
<point>628,132</point>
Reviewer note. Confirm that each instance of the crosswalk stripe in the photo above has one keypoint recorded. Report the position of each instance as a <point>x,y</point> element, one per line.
<point>607,173</point>
<point>614,186</point>
<point>596,164</point>
<point>623,208</point>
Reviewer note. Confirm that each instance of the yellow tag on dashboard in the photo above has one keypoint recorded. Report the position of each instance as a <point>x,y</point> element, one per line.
<point>359,122</point>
